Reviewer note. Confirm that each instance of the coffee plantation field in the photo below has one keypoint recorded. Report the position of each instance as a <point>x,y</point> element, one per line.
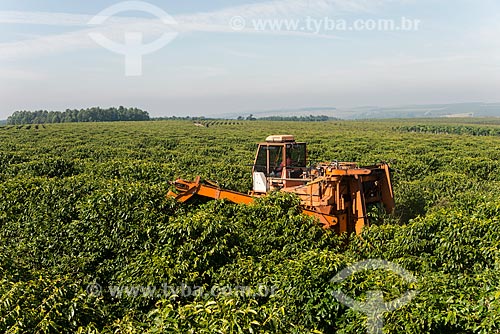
<point>89,243</point>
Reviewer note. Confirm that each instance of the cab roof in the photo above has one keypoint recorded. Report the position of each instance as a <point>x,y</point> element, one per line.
<point>280,139</point>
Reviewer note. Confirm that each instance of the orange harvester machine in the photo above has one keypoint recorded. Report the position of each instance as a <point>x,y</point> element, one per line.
<point>337,193</point>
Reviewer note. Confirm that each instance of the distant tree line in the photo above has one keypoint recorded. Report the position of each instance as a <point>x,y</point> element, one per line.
<point>180,118</point>
<point>310,118</point>
<point>95,114</point>
<point>251,117</point>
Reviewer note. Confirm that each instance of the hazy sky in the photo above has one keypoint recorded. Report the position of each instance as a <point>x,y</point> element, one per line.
<point>223,59</point>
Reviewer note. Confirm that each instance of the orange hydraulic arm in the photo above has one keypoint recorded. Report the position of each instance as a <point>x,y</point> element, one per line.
<point>189,189</point>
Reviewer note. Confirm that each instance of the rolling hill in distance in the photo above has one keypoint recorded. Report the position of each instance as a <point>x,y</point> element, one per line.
<point>472,109</point>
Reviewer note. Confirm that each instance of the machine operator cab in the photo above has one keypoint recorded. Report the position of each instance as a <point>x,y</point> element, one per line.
<point>280,163</point>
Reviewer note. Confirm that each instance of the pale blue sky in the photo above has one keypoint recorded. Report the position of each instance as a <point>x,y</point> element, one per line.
<point>48,61</point>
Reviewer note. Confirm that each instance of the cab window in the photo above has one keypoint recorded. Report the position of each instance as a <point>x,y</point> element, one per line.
<point>297,152</point>
<point>261,161</point>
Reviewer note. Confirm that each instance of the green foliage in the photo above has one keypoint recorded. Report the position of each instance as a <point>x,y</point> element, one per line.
<point>451,129</point>
<point>47,305</point>
<point>84,204</point>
